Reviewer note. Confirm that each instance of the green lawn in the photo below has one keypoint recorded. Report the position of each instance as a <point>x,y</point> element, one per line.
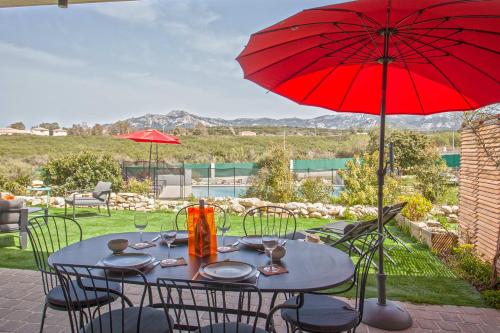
<point>418,276</point>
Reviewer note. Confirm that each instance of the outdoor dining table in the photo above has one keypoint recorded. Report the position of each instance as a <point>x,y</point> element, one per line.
<point>311,267</point>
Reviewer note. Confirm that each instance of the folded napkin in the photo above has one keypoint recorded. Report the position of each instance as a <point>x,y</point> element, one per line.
<point>228,249</point>
<point>143,245</point>
<point>280,270</point>
<point>179,262</point>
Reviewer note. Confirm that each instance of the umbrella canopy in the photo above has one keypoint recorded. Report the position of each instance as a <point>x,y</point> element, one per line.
<point>383,57</point>
<point>442,56</point>
<point>151,135</point>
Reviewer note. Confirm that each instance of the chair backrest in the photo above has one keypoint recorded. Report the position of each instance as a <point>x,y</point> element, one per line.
<point>389,213</point>
<point>181,218</point>
<point>48,234</point>
<point>102,190</point>
<point>367,244</point>
<point>83,285</point>
<point>259,219</point>
<point>195,304</point>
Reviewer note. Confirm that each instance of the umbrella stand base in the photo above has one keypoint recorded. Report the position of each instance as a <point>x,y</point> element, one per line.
<point>390,317</point>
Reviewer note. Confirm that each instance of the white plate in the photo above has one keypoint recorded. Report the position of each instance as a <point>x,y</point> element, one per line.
<point>227,270</point>
<point>127,260</point>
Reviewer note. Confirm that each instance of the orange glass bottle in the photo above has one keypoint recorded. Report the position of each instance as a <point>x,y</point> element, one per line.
<point>202,232</point>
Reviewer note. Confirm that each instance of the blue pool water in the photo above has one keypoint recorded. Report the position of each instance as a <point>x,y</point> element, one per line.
<point>232,191</point>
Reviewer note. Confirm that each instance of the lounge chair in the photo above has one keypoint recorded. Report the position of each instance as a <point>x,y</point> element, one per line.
<point>100,197</point>
<point>344,232</point>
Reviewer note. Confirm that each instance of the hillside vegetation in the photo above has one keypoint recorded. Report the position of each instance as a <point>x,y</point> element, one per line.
<point>21,154</point>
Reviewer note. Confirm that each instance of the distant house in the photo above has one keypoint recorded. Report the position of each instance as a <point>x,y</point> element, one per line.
<point>40,131</point>
<point>10,131</point>
<point>59,132</point>
<point>247,133</point>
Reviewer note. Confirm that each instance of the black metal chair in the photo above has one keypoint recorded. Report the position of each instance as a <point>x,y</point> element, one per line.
<point>48,234</point>
<point>181,218</point>
<point>211,307</point>
<point>122,316</point>
<point>258,219</point>
<point>320,312</point>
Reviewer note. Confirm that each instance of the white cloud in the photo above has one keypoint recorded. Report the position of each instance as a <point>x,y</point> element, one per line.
<point>42,57</point>
<point>133,11</point>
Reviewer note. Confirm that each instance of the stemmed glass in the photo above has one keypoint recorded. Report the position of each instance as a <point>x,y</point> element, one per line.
<point>140,222</point>
<point>168,233</point>
<point>223,226</point>
<point>270,242</point>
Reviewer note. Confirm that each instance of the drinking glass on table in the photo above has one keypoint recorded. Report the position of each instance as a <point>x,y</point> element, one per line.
<point>140,222</point>
<point>168,234</point>
<point>223,226</point>
<point>270,242</point>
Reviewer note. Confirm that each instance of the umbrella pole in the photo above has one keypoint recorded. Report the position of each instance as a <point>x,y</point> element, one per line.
<point>378,312</point>
<point>149,164</point>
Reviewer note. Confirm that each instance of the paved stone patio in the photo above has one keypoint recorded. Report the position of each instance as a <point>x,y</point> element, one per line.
<point>21,299</point>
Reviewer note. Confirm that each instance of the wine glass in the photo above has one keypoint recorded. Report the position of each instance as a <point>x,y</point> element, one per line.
<point>270,242</point>
<point>141,222</point>
<point>223,226</point>
<point>168,233</point>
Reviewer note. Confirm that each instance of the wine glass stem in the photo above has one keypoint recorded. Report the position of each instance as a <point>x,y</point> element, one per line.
<point>141,235</point>
<point>168,253</point>
<point>223,240</point>
<point>271,255</point>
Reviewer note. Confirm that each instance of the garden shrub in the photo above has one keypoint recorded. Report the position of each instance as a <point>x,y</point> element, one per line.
<point>466,264</point>
<point>81,171</point>
<point>417,207</point>
<point>360,180</point>
<point>314,189</point>
<point>431,179</point>
<point>137,186</point>
<point>274,182</point>
<point>492,298</point>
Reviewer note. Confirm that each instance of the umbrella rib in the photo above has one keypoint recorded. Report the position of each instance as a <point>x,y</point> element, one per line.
<point>449,18</point>
<point>453,40</point>
<point>412,80</point>
<point>359,14</point>
<point>440,72</point>
<point>350,86</point>
<point>264,32</point>
<point>321,34</point>
<point>354,49</point>
<point>460,59</point>
<point>412,52</point>
<point>323,79</point>
<point>458,29</point>
<point>297,72</point>
<point>297,53</point>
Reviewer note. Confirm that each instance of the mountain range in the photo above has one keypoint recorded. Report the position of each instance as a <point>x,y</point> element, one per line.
<point>178,118</point>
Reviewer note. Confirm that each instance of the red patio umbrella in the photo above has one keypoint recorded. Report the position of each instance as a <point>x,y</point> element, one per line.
<point>383,57</point>
<point>151,136</point>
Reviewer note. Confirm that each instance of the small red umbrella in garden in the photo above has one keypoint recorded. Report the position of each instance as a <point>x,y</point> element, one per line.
<point>382,57</point>
<point>151,136</point>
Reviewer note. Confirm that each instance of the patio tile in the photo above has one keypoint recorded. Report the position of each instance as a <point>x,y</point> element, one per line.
<point>10,325</point>
<point>489,328</point>
<point>467,318</point>
<point>469,327</point>
<point>452,317</point>
<point>427,324</point>
<point>448,326</point>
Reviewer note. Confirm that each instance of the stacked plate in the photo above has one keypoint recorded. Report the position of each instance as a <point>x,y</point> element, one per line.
<point>127,260</point>
<point>255,242</point>
<point>230,271</point>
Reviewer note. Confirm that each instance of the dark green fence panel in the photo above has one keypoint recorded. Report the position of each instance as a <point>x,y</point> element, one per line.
<point>452,160</point>
<point>319,165</point>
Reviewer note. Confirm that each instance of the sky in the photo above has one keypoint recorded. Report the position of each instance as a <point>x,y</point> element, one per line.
<point>110,61</point>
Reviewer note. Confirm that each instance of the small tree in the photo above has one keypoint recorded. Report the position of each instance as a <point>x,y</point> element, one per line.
<point>315,189</point>
<point>81,171</point>
<point>18,125</point>
<point>360,179</point>
<point>200,129</point>
<point>274,181</point>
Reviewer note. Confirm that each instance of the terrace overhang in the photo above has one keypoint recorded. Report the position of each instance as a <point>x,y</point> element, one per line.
<point>60,3</point>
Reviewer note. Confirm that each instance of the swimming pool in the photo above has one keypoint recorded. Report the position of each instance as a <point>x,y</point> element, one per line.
<point>233,191</point>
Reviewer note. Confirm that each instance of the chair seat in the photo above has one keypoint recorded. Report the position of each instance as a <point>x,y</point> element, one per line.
<point>321,313</point>
<point>152,321</point>
<point>337,227</point>
<point>55,297</point>
<point>230,328</point>
<point>85,201</point>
